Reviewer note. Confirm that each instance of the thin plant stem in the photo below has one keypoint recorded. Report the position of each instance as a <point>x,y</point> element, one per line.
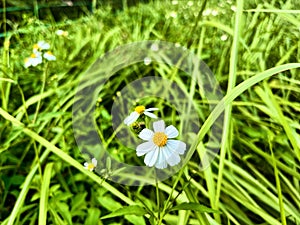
<point>41,92</point>
<point>159,217</point>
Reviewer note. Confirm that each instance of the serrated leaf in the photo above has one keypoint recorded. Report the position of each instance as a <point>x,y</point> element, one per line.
<point>194,206</point>
<point>127,210</point>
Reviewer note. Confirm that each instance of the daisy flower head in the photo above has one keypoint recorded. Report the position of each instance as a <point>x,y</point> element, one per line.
<point>139,110</point>
<point>49,56</point>
<point>147,61</point>
<point>33,60</point>
<point>61,33</point>
<point>41,45</point>
<point>92,165</point>
<point>159,149</point>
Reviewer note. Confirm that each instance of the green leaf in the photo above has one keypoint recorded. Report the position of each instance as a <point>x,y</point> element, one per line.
<point>194,206</point>
<point>93,216</point>
<point>135,220</point>
<point>78,201</point>
<point>128,210</point>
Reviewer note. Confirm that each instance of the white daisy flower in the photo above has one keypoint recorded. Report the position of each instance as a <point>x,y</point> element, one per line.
<point>159,149</point>
<point>147,61</point>
<point>137,112</point>
<point>91,166</point>
<point>33,60</point>
<point>62,33</point>
<point>154,47</point>
<point>41,45</point>
<point>49,56</point>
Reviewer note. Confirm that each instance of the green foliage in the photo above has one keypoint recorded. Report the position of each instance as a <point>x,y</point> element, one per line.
<point>253,50</point>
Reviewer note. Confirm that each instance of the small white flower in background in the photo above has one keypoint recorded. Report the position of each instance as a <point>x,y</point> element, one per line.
<point>224,37</point>
<point>159,149</point>
<point>34,60</point>
<point>214,12</point>
<point>154,47</point>
<point>62,33</point>
<point>233,8</point>
<point>173,14</point>
<point>91,166</point>
<point>49,56</point>
<point>41,45</point>
<point>147,61</point>
<point>190,3</point>
<point>206,12</point>
<point>137,112</point>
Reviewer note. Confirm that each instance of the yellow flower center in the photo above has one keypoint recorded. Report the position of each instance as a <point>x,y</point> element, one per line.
<point>140,109</point>
<point>33,55</point>
<point>49,53</point>
<point>36,46</point>
<point>91,166</point>
<point>160,139</point>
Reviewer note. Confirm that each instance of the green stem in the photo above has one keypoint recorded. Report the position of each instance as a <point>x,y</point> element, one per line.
<point>5,58</point>
<point>159,217</point>
<point>41,93</point>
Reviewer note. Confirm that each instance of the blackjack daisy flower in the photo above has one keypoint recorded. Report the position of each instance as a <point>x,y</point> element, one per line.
<point>62,33</point>
<point>33,60</point>
<point>137,112</point>
<point>147,61</point>
<point>91,166</point>
<point>41,45</point>
<point>49,56</point>
<point>159,149</point>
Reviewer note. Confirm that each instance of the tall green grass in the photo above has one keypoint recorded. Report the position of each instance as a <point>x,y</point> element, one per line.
<point>253,180</point>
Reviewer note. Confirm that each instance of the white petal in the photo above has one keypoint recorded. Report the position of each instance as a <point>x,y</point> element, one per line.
<point>27,63</point>
<point>151,157</point>
<point>36,61</point>
<point>86,164</point>
<point>146,134</point>
<point>159,126</point>
<point>161,158</point>
<point>144,148</point>
<point>173,160</point>
<point>161,161</point>
<point>49,56</point>
<point>59,32</point>
<point>151,109</point>
<point>94,161</point>
<point>131,118</point>
<point>162,165</point>
<point>177,146</point>
<point>150,115</point>
<point>172,157</point>
<point>171,132</point>
<point>43,45</point>
<point>166,152</point>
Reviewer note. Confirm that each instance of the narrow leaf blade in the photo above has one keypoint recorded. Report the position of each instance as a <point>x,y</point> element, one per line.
<point>128,210</point>
<point>194,206</point>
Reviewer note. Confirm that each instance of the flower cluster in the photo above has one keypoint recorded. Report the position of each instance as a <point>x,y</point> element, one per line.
<point>159,149</point>
<point>40,50</point>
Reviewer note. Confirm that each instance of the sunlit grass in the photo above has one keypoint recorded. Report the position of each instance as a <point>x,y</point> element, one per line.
<point>253,50</point>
